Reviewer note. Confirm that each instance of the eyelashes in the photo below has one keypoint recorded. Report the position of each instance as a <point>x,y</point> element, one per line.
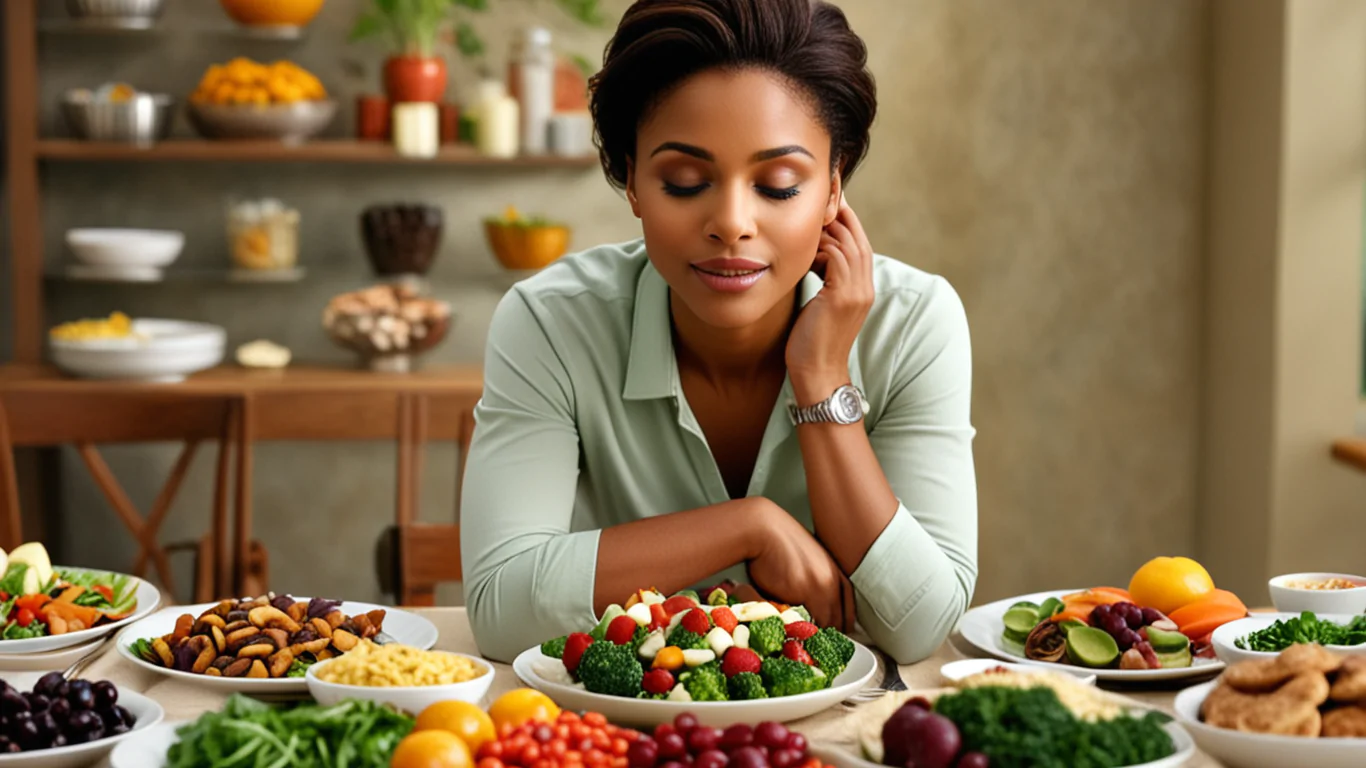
<point>773,193</point>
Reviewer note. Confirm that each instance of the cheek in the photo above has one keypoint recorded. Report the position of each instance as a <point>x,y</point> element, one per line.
<point>795,229</point>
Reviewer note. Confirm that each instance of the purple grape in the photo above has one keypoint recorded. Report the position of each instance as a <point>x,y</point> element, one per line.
<point>106,695</point>
<point>685,722</point>
<point>974,760</point>
<point>643,753</point>
<point>1114,625</point>
<point>736,736</point>
<point>797,742</point>
<point>1133,616</point>
<point>702,739</point>
<point>711,758</point>
<point>748,757</point>
<point>1151,616</point>
<point>922,702</point>
<point>672,746</point>
<point>1098,614</point>
<point>1128,639</point>
<point>786,758</point>
<point>771,735</point>
<point>673,764</point>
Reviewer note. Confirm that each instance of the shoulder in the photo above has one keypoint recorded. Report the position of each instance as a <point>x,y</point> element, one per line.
<point>586,288</point>
<point>914,312</point>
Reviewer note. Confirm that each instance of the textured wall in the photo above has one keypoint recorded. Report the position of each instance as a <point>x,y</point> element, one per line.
<point>1044,156</point>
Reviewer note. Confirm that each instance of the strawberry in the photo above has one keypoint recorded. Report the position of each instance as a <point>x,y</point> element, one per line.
<point>794,650</point>
<point>678,604</point>
<point>657,681</point>
<point>739,660</point>
<point>696,622</point>
<point>659,617</point>
<point>621,630</point>
<point>801,630</point>
<point>724,618</point>
<point>574,648</point>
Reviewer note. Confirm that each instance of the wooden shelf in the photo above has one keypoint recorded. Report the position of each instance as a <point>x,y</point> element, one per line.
<point>320,151</point>
<point>1351,451</point>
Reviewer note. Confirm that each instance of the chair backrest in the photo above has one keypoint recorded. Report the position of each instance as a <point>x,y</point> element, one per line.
<point>429,554</point>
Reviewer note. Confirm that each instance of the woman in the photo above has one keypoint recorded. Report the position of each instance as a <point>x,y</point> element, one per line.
<point>748,387</point>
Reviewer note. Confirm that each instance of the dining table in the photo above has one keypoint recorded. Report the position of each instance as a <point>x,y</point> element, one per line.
<point>184,700</point>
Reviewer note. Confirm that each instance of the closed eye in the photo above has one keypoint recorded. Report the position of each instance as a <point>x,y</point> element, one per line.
<point>677,191</point>
<point>779,193</point>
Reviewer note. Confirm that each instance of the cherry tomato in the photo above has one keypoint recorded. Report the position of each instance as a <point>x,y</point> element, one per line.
<point>595,719</point>
<point>24,617</point>
<point>490,762</point>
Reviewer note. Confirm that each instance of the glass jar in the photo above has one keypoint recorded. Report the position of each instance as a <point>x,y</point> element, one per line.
<point>263,235</point>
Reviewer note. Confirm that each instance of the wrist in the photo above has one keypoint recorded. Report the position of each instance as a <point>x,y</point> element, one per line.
<point>809,388</point>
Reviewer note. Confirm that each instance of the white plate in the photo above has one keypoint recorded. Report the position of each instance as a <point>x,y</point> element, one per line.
<point>148,748</point>
<point>957,670</point>
<point>1223,637</point>
<point>539,671</point>
<point>162,350</point>
<point>840,758</point>
<point>405,627</point>
<point>147,715</point>
<point>149,599</point>
<point>982,627</point>
<point>1259,750</point>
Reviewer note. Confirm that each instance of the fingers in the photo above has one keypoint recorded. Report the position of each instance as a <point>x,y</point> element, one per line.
<point>837,271</point>
<point>861,258</point>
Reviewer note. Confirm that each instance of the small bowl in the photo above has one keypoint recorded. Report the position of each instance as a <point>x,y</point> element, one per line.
<point>290,123</point>
<point>117,247</point>
<point>272,13</point>
<point>412,699</point>
<point>1223,638</point>
<point>142,120</point>
<point>1288,599</point>
<point>147,715</point>
<point>123,10</point>
<point>954,671</point>
<point>526,247</point>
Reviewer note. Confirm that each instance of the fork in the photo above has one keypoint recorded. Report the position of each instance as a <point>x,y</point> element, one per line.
<point>891,681</point>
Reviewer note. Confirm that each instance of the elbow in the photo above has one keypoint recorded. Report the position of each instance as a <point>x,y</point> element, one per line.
<point>929,620</point>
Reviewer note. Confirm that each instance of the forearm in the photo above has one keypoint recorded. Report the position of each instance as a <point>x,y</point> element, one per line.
<point>851,500</point>
<point>675,551</point>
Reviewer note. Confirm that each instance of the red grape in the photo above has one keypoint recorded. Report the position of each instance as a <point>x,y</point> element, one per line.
<point>1114,624</point>
<point>797,742</point>
<point>922,702</point>
<point>748,757</point>
<point>1133,616</point>
<point>1128,639</point>
<point>771,735</point>
<point>644,753</point>
<point>711,758</point>
<point>672,746</point>
<point>1098,614</point>
<point>736,736</point>
<point>786,758</point>
<point>702,739</point>
<point>673,764</point>
<point>663,729</point>
<point>685,722</point>
<point>1151,616</point>
<point>974,760</point>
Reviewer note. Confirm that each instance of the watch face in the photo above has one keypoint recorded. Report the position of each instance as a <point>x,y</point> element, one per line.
<point>848,406</point>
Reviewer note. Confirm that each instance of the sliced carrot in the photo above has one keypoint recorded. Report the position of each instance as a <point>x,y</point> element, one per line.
<point>1202,618</point>
<point>1223,597</point>
<point>1123,594</point>
<point>68,611</point>
<point>1080,613</point>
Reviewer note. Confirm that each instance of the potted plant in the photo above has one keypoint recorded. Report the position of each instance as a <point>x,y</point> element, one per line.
<point>413,72</point>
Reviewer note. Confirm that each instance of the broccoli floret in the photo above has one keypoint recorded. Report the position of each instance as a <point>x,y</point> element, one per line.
<point>686,640</point>
<point>555,648</point>
<point>831,651</point>
<point>785,677</point>
<point>652,696</point>
<point>637,639</point>
<point>705,683</point>
<point>610,669</point>
<point>747,685</point>
<point>766,636</point>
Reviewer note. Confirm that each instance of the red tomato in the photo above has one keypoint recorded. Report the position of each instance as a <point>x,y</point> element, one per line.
<point>25,617</point>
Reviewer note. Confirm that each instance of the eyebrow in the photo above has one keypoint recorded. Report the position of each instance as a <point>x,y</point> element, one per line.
<point>757,157</point>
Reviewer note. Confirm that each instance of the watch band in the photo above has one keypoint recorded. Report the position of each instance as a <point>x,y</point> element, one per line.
<point>823,412</point>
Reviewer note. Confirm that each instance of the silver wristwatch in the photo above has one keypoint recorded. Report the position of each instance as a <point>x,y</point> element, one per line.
<point>846,406</point>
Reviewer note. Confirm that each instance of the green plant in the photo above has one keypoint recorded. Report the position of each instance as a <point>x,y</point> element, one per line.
<point>414,26</point>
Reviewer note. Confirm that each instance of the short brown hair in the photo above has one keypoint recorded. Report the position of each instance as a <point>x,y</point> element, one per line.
<point>660,43</point>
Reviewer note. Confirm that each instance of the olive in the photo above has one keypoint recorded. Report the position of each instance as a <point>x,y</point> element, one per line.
<point>106,695</point>
<point>126,717</point>
<point>81,694</point>
<point>59,708</point>
<point>7,746</point>
<point>47,724</point>
<point>38,702</point>
<point>49,684</point>
<point>24,730</point>
<point>59,741</point>
<point>110,717</point>
<point>84,726</point>
<point>11,701</point>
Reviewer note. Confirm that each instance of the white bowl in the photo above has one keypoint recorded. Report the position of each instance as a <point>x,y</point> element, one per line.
<point>125,247</point>
<point>146,714</point>
<point>957,670</point>
<point>159,350</point>
<point>1293,600</point>
<point>148,597</point>
<point>1258,750</point>
<point>411,699</point>
<point>1224,637</point>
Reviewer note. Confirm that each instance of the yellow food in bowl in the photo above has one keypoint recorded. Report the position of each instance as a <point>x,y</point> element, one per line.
<point>1334,583</point>
<point>243,81</point>
<point>116,326</point>
<point>523,243</point>
<point>398,666</point>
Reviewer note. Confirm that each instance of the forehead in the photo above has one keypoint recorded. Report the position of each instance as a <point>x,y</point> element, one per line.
<point>736,112</point>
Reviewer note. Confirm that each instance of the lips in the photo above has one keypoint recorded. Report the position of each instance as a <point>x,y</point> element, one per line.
<point>729,275</point>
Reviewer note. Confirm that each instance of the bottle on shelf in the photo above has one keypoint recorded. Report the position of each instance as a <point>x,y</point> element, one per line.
<point>532,77</point>
<point>417,129</point>
<point>495,116</point>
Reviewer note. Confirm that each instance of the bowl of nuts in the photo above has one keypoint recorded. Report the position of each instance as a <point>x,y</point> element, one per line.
<point>389,326</point>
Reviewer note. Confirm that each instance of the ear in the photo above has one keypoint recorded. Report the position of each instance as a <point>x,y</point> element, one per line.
<point>832,206</point>
<point>631,186</point>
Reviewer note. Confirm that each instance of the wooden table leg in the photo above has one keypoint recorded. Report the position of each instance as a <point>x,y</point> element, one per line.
<point>403,503</point>
<point>242,550</point>
<point>11,532</point>
<point>218,552</point>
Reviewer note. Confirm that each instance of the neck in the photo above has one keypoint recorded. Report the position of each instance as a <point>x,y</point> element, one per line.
<point>722,354</point>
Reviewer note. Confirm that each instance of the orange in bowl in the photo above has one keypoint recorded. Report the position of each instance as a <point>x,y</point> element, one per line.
<point>525,243</point>
<point>431,749</point>
<point>274,13</point>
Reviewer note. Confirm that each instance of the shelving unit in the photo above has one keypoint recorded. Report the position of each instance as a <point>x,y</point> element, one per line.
<point>26,152</point>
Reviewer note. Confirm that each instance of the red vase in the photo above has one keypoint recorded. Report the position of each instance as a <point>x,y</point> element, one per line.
<point>415,78</point>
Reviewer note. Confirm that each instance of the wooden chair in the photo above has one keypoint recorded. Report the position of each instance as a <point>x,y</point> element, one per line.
<point>66,417</point>
<point>426,554</point>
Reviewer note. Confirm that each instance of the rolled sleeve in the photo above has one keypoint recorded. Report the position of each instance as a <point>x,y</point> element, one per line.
<point>917,578</point>
<point>527,577</point>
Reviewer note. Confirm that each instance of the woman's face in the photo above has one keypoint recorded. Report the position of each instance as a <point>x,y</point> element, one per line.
<point>732,184</point>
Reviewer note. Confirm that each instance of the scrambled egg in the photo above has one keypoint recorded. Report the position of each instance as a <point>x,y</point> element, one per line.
<point>117,326</point>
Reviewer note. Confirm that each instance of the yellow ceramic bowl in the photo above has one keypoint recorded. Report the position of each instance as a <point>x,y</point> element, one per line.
<point>521,247</point>
<point>272,12</point>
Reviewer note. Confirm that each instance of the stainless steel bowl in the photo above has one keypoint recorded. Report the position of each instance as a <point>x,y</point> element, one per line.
<point>115,9</point>
<point>290,123</point>
<point>142,120</point>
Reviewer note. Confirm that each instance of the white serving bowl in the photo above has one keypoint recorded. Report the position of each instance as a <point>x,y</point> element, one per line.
<point>1224,637</point>
<point>411,699</point>
<point>159,350</point>
<point>125,247</point>
<point>146,715</point>
<point>954,671</point>
<point>1259,750</point>
<point>1289,599</point>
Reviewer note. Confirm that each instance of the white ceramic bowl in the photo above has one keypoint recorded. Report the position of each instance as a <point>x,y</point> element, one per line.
<point>125,247</point>
<point>1185,750</point>
<point>1289,599</point>
<point>148,597</point>
<point>957,670</point>
<point>411,699</point>
<point>1224,637</point>
<point>160,350</point>
<point>1257,750</point>
<point>146,714</point>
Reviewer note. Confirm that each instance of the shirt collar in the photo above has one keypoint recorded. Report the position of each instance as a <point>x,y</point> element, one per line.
<point>651,368</point>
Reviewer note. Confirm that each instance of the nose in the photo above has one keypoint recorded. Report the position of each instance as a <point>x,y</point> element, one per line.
<point>732,220</point>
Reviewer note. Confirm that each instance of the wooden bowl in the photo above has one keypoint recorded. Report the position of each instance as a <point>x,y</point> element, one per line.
<point>523,247</point>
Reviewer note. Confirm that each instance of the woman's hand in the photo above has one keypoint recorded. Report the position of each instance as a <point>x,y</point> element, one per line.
<point>818,347</point>
<point>792,567</point>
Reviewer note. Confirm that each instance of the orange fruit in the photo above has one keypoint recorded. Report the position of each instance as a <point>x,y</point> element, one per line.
<point>431,749</point>
<point>522,705</point>
<point>1169,583</point>
<point>460,718</point>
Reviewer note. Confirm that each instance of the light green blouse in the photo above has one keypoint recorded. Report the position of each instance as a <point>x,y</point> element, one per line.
<point>583,425</point>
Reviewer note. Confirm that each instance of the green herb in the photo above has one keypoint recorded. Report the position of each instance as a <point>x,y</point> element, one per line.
<point>13,582</point>
<point>1305,628</point>
<point>13,631</point>
<point>299,668</point>
<point>6,607</point>
<point>1030,728</point>
<point>252,734</point>
<point>142,648</point>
